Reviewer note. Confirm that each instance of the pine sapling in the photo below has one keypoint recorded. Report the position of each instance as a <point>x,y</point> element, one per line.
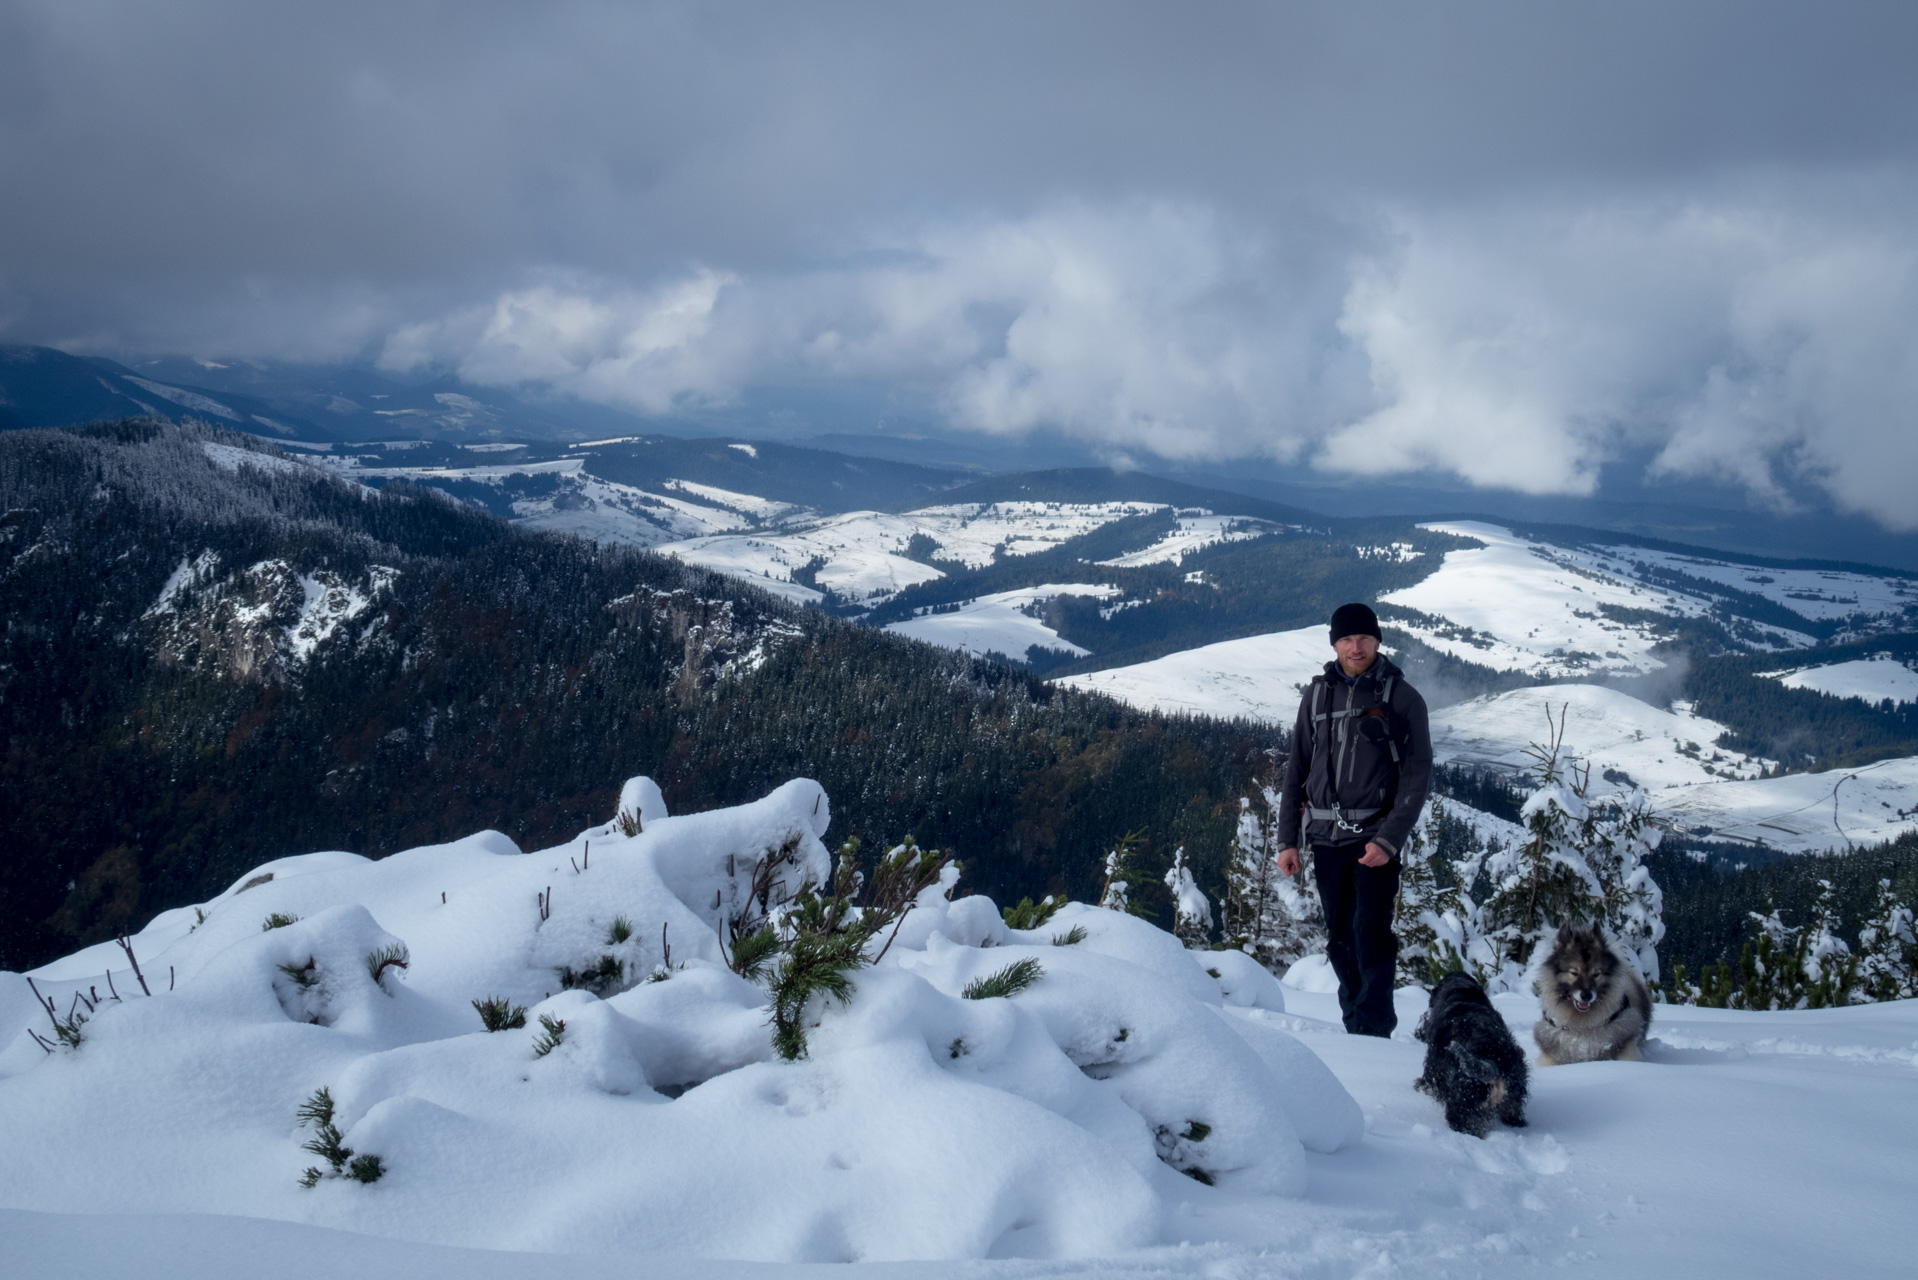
<point>302,975</point>
<point>552,1035</point>
<point>1071,937</point>
<point>622,930</point>
<point>277,920</point>
<point>329,1144</point>
<point>1009,981</point>
<point>497,1013</point>
<point>1032,915</point>
<point>754,952</point>
<point>391,956</point>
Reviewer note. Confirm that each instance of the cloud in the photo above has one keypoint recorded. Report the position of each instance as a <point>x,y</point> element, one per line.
<point>1521,244</point>
<point>1747,340</point>
<point>1524,347</point>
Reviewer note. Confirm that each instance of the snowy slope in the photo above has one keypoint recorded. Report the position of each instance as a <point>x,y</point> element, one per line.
<point>999,623</point>
<point>1516,605</point>
<point>922,1125</point>
<point>1874,679</point>
<point>1804,811</point>
<point>1196,531</point>
<point>1607,729</point>
<point>1822,594</point>
<point>864,552</point>
<point>1748,1146</point>
<point>1257,678</point>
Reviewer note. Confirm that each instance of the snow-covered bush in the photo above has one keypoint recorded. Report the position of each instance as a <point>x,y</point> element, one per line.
<point>1098,1074</point>
<point>1192,912</point>
<point>1888,949</point>
<point>1274,918</point>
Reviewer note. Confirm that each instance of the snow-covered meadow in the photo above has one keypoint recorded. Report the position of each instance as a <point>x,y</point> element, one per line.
<point>1140,1110</point>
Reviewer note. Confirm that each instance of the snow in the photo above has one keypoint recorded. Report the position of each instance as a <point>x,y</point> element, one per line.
<point>1603,727</point>
<point>231,458</point>
<point>1257,678</point>
<point>749,450</point>
<point>1000,622</point>
<point>1874,679</point>
<point>1515,605</point>
<point>604,511</point>
<point>1822,594</point>
<point>863,552</point>
<point>185,399</point>
<point>331,603</point>
<point>922,1126</point>
<point>746,503</point>
<point>1747,1145</point>
<point>1804,812</point>
<point>1196,531</point>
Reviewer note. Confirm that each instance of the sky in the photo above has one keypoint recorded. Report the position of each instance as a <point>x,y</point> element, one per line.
<point>1509,244</point>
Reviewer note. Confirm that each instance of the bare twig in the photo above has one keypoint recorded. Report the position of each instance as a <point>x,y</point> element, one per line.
<point>665,948</point>
<point>45,1002</point>
<point>127,946</point>
<point>110,987</point>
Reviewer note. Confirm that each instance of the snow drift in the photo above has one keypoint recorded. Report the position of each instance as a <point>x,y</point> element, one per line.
<point>1057,1122</point>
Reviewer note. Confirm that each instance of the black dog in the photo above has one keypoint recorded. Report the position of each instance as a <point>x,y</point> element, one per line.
<point>1472,1063</point>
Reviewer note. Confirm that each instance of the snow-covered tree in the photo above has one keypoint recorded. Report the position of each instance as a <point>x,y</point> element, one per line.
<point>1434,921</point>
<point>1580,861</point>
<point>1618,838</point>
<point>1122,871</point>
<point>1888,949</point>
<point>1274,918</point>
<point>1192,912</point>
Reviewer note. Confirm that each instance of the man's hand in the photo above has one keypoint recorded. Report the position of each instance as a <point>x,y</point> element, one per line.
<point>1375,856</point>
<point>1288,862</point>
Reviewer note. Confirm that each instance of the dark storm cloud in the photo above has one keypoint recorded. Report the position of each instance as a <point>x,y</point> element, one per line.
<point>1377,237</point>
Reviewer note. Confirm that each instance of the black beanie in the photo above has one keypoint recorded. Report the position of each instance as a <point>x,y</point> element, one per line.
<point>1354,620</point>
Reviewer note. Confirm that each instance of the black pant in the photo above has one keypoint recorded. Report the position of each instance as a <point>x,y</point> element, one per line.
<point>1361,945</point>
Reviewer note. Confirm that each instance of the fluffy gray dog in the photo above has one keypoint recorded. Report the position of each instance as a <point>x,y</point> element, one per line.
<point>1596,1006</point>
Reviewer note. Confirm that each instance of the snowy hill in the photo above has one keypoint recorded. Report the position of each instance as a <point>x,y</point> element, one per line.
<point>1051,1124</point>
<point>1257,678</point>
<point>1878,678</point>
<point>1003,623</point>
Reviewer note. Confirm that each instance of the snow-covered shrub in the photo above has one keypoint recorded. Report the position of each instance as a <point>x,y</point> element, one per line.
<point>1122,872</point>
<point>1274,918</point>
<point>1192,912</point>
<point>329,1144</point>
<point>1888,949</point>
<point>1577,860</point>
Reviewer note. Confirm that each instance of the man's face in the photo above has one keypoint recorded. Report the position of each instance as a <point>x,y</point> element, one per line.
<point>1356,653</point>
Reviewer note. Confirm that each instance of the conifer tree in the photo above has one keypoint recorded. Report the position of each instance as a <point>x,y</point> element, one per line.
<point>1545,881</point>
<point>1122,871</point>
<point>1192,913</point>
<point>1433,921</point>
<point>1888,950</point>
<point>1273,918</point>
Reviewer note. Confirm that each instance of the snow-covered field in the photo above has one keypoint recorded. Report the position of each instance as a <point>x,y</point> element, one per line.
<point>864,552</point>
<point>999,623</point>
<point>1609,730</point>
<point>1517,605</point>
<point>1256,678</point>
<point>1196,531</point>
<point>1874,679</point>
<point>924,1126</point>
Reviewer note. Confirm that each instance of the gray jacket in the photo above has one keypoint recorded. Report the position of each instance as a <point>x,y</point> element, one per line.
<point>1352,781</point>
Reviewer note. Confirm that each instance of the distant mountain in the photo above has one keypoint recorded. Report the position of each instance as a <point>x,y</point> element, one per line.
<point>217,654</point>
<point>41,387</point>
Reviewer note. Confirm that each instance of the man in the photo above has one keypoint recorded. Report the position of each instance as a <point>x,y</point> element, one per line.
<point>1360,768</point>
